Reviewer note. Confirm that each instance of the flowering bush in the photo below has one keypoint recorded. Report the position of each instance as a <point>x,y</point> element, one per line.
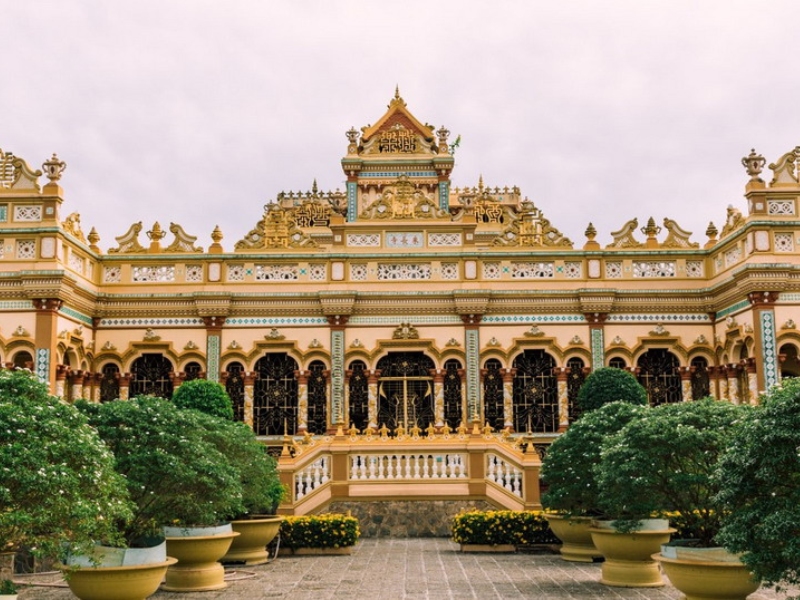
<point>609,384</point>
<point>319,531</point>
<point>57,480</point>
<point>496,527</point>
<point>206,396</point>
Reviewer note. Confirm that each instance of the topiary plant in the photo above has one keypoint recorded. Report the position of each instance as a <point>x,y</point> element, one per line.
<point>609,384</point>
<point>568,467</point>
<point>206,396</point>
<point>759,480</point>
<point>663,465</point>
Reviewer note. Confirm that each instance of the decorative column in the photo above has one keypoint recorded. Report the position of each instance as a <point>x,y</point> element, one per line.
<point>462,373</point>
<point>721,374</point>
<point>438,396</point>
<point>686,383</point>
<point>352,199</point>
<point>508,397</point>
<point>76,381</point>
<point>473,347</point>
<point>733,383</point>
<point>346,403</point>
<point>767,364</point>
<point>752,380</point>
<point>249,388</point>
<point>61,381</point>
<point>562,376</point>
<point>46,338</point>
<point>337,324</point>
<point>124,386</point>
<point>88,386</point>
<point>213,346</point>
<point>302,400</point>
<point>372,396</point>
<point>177,379</point>
<point>597,338</point>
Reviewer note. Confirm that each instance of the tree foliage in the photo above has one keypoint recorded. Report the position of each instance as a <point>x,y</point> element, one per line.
<point>206,396</point>
<point>609,384</point>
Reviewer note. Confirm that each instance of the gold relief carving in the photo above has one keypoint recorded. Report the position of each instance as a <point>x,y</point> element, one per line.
<point>748,328</point>
<point>677,237</point>
<point>534,331</point>
<point>183,242</point>
<point>312,214</point>
<point>493,342</point>
<point>789,324</point>
<point>20,331</point>
<point>72,225</point>
<point>659,330</point>
<point>274,335</point>
<point>64,334</point>
<point>403,200</point>
<point>278,229</point>
<point>108,347</point>
<point>783,170</point>
<point>315,343</point>
<point>618,341</point>
<point>576,341</point>
<point>397,140</point>
<point>488,210</point>
<point>191,346</point>
<point>527,228</point>
<point>405,332</point>
<point>453,343</point>
<point>128,243</point>
<point>357,343</point>
<point>730,323</point>
<point>624,237</point>
<point>701,340</point>
<point>734,220</point>
<point>150,335</point>
<point>234,345</point>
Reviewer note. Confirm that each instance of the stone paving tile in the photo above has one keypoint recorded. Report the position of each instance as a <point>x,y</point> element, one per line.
<point>412,569</point>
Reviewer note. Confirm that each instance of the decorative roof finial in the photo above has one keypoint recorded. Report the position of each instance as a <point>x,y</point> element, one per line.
<point>397,92</point>
<point>754,163</point>
<point>53,168</point>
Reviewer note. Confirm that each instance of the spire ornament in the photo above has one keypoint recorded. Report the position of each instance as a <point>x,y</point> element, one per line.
<point>53,168</point>
<point>754,163</point>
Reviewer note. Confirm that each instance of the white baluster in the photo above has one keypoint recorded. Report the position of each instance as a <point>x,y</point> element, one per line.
<point>372,464</point>
<point>363,470</point>
<point>508,477</point>
<point>490,474</point>
<point>437,466</point>
<point>517,482</point>
<point>417,458</point>
<point>408,466</point>
<point>354,467</point>
<point>325,469</point>
<point>426,467</point>
<point>299,486</point>
<point>317,473</point>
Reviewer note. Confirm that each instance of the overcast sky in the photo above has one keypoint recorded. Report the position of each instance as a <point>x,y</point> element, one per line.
<point>200,112</point>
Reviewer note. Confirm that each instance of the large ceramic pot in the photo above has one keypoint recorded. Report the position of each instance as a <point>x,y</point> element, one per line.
<point>198,551</point>
<point>577,545</point>
<point>706,573</point>
<point>254,535</point>
<point>628,556</point>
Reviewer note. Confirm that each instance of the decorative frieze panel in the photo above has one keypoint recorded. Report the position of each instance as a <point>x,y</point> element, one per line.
<point>26,249</point>
<point>573,270</point>
<point>784,242</point>
<point>76,263</point>
<point>594,268</point>
<point>532,270</point>
<point>780,207</point>
<point>733,256</point>
<point>449,270</point>
<point>112,274</point>
<point>694,268</point>
<point>491,270</point>
<point>194,273</point>
<point>613,269</point>
<point>318,272</point>
<point>403,271</point>
<point>444,239</point>
<point>358,272</point>
<point>236,272</point>
<point>154,273</point>
<point>30,214</point>
<point>411,239</point>
<point>650,269</point>
<point>364,240</point>
<point>276,272</point>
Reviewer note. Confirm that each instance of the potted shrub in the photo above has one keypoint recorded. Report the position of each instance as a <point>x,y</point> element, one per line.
<point>320,534</point>
<point>568,472</point>
<point>663,466</point>
<point>179,478</point>
<point>8,590</point>
<point>59,490</point>
<point>759,483</point>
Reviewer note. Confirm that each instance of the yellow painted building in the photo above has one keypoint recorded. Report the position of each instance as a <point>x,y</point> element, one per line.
<point>402,299</point>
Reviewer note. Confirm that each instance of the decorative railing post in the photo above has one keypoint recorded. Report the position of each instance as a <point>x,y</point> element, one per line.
<point>531,467</point>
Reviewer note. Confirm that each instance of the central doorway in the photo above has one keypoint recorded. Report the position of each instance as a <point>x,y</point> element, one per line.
<point>405,390</point>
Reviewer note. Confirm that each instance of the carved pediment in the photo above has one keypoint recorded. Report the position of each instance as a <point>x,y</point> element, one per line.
<point>16,175</point>
<point>278,229</point>
<point>128,243</point>
<point>397,132</point>
<point>678,237</point>
<point>183,242</point>
<point>403,200</point>
<point>624,237</point>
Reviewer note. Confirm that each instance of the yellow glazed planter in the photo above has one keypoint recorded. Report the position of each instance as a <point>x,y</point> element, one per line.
<point>708,579</point>
<point>254,535</point>
<point>135,582</point>
<point>341,551</point>
<point>577,545</point>
<point>198,569</point>
<point>628,556</point>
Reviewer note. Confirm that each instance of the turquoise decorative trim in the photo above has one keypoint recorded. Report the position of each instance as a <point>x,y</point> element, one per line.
<point>337,377</point>
<point>249,321</point>
<point>472,344</point>
<point>42,366</point>
<point>731,309</point>
<point>444,195</point>
<point>413,319</point>
<point>352,201</point>
<point>645,318</point>
<point>176,322</point>
<point>533,319</point>
<point>4,212</point>
<point>394,174</point>
<point>768,345</point>
<point>786,298</point>
<point>16,305</point>
<point>212,358</point>
<point>598,346</point>
<point>71,312</point>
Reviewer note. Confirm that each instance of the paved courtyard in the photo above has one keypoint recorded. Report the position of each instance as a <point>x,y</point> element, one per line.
<point>409,569</point>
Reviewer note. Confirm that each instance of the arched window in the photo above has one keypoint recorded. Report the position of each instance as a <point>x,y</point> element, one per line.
<point>234,386</point>
<point>617,363</point>
<point>151,375</point>
<point>192,371</point>
<point>575,379</point>
<point>275,395</point>
<point>317,399</point>
<point>790,364</point>
<point>109,383</point>
<point>701,383</point>
<point>405,390</point>
<point>453,414</point>
<point>358,398</point>
<point>535,392</point>
<point>658,374</point>
<point>23,360</point>
<point>492,394</point>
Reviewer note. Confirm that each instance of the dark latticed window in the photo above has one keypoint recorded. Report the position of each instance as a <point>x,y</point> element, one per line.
<point>790,365</point>
<point>575,379</point>
<point>658,374</point>
<point>617,363</point>
<point>317,398</point>
<point>151,374</point>
<point>358,398</point>
<point>701,384</point>
<point>535,392</point>
<point>109,384</point>
<point>23,360</point>
<point>275,395</point>
<point>234,385</point>
<point>405,392</point>
<point>452,394</point>
<point>192,371</point>
<point>492,394</point>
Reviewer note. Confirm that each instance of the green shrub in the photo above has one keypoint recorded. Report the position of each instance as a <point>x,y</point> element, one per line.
<point>206,396</point>
<point>319,531</point>
<point>520,528</point>
<point>609,384</point>
<point>8,587</point>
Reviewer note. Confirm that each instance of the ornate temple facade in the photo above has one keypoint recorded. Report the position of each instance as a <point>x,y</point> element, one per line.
<point>401,301</point>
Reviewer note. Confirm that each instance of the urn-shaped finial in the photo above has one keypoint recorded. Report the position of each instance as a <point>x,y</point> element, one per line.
<point>53,168</point>
<point>754,164</point>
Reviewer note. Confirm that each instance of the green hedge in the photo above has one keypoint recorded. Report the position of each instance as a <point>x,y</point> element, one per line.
<point>520,528</point>
<point>319,531</point>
